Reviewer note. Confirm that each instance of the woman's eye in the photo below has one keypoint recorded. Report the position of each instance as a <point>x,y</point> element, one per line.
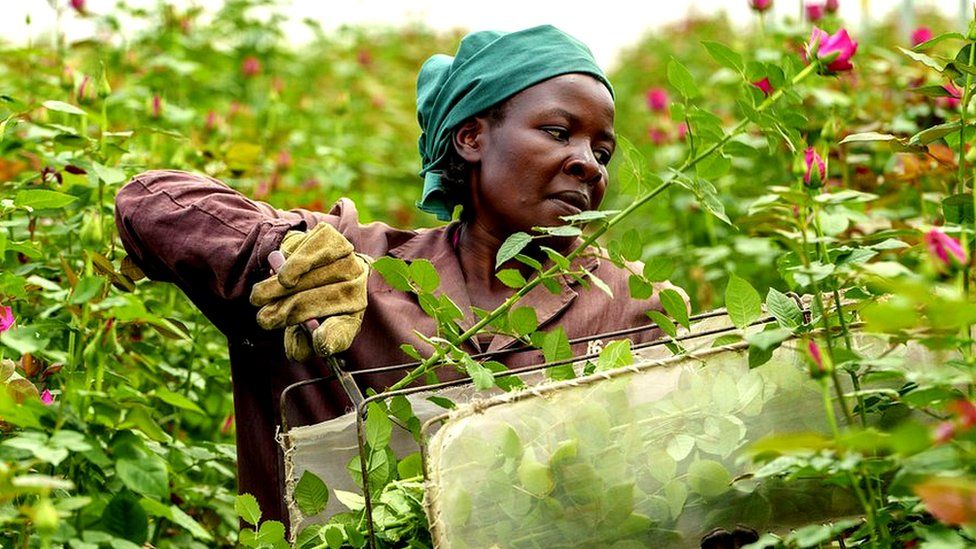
<point>603,157</point>
<point>557,133</point>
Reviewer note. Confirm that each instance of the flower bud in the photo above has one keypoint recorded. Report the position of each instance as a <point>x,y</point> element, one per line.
<point>945,251</point>
<point>657,99</point>
<point>104,89</point>
<point>833,52</point>
<point>815,11</point>
<point>760,5</point>
<point>251,66</point>
<point>764,85</point>
<point>920,35</point>
<point>832,6</point>
<point>815,172</point>
<point>819,365</point>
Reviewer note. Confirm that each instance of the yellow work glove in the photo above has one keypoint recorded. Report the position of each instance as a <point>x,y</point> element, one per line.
<point>322,278</point>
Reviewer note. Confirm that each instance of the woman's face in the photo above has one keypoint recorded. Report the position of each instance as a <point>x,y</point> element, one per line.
<point>547,158</point>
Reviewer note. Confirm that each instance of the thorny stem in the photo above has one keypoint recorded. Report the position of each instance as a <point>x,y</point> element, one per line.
<point>667,181</point>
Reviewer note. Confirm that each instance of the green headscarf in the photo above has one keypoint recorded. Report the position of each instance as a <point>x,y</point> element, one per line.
<point>489,68</point>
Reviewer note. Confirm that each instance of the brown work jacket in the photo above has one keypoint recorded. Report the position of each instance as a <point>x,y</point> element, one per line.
<point>213,242</point>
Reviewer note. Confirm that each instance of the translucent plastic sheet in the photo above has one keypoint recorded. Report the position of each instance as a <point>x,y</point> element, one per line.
<point>647,456</point>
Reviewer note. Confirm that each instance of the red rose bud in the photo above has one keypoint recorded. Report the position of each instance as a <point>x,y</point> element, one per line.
<point>832,51</point>
<point>79,6</point>
<point>764,85</point>
<point>657,136</point>
<point>284,160</point>
<point>815,11</point>
<point>657,99</point>
<point>817,367</point>
<point>47,398</point>
<point>682,131</point>
<point>832,6</point>
<point>920,35</point>
<point>760,5</point>
<point>157,105</point>
<point>813,178</point>
<point>251,66</point>
<point>82,96</point>
<point>945,250</point>
<point>966,411</point>
<point>6,319</point>
<point>950,102</point>
<point>944,432</point>
<point>211,122</point>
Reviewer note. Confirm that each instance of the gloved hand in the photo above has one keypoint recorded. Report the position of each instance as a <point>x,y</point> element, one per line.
<point>322,278</point>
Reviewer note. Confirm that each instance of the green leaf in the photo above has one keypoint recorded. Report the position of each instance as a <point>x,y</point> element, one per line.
<point>86,289</point>
<point>25,339</point>
<point>565,230</point>
<point>742,302</point>
<point>675,306</point>
<point>725,55</point>
<point>713,167</point>
<point>177,400</point>
<point>708,478</point>
<point>272,532</point>
<point>707,195</point>
<point>40,199</point>
<point>147,476</point>
<point>868,137</point>
<point>615,354</point>
<point>768,340</point>
<point>512,246</point>
<point>589,215</point>
<point>784,309</point>
<point>639,288</point>
<point>681,79</point>
<point>481,377</point>
<point>311,494</point>
<point>523,320</point>
<point>177,516</point>
<point>110,176</point>
<point>923,59</point>
<point>958,208</point>
<point>934,133</point>
<point>247,509</point>
<point>631,246</point>
<point>378,428</point>
<point>599,283</point>
<point>352,500</point>
<point>61,106</point>
<point>394,271</point>
<point>125,518</point>
<point>424,275</point>
<point>663,322</point>
<point>658,269</point>
<point>727,339</point>
<point>511,278</point>
<point>555,345</point>
<point>534,476</point>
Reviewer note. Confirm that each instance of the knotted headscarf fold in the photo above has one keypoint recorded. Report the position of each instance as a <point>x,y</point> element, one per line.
<point>489,68</point>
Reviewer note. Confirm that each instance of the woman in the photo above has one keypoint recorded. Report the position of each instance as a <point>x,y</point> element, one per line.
<point>517,130</point>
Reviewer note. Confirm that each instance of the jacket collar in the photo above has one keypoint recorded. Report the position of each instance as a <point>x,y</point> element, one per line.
<point>435,246</point>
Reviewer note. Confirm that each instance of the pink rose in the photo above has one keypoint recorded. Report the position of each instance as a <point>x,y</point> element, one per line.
<point>760,5</point>
<point>835,50</point>
<point>658,136</point>
<point>251,66</point>
<point>815,11</point>
<point>764,85</point>
<point>284,160</point>
<point>6,318</point>
<point>944,249</point>
<point>944,432</point>
<point>921,34</point>
<point>157,105</point>
<point>832,6</point>
<point>657,99</point>
<point>211,122</point>
<point>47,398</point>
<point>811,159</point>
<point>682,131</point>
<point>78,6</point>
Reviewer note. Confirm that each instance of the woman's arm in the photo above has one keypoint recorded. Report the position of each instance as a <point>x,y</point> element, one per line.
<point>206,238</point>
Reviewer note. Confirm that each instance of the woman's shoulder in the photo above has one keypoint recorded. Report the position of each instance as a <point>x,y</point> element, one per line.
<point>375,238</point>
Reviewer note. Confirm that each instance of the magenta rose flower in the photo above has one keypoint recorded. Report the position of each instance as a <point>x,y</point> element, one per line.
<point>945,250</point>
<point>760,5</point>
<point>657,99</point>
<point>832,6</point>
<point>47,398</point>
<point>811,159</point>
<point>157,105</point>
<point>78,6</point>
<point>251,66</point>
<point>657,136</point>
<point>815,11</point>
<point>764,85</point>
<point>6,318</point>
<point>832,51</point>
<point>921,34</point>
<point>952,101</point>
<point>817,368</point>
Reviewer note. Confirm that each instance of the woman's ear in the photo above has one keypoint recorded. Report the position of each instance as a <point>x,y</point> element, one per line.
<point>468,138</point>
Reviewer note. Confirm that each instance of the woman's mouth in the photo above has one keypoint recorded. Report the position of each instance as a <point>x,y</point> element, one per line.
<point>572,200</point>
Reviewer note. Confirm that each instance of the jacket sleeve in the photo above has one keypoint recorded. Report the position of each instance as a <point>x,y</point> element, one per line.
<point>206,238</point>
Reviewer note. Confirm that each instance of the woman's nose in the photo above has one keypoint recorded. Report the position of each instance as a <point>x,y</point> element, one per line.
<point>583,166</point>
